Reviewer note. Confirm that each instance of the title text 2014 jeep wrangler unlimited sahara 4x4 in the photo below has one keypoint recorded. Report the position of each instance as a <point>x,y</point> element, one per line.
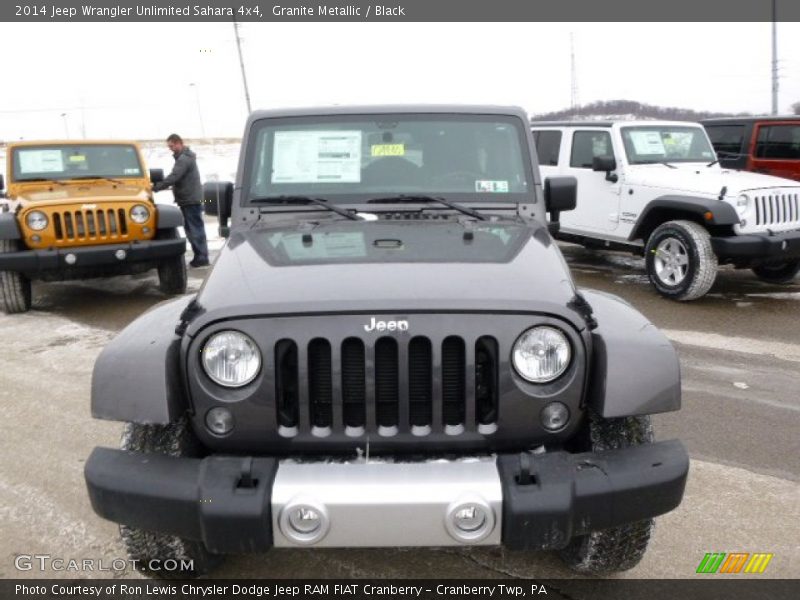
<point>389,351</point>
<point>83,209</point>
<point>656,188</point>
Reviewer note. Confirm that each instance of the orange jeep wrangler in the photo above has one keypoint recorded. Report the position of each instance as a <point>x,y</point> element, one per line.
<point>81,209</point>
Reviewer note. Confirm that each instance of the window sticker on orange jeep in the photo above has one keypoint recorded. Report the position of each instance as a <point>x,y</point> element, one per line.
<point>491,186</point>
<point>316,157</point>
<point>647,142</point>
<point>40,161</point>
<point>388,150</point>
<point>131,171</point>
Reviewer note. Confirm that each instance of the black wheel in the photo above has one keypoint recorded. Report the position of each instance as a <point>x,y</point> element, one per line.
<point>680,262</point>
<point>778,271</point>
<point>15,288</point>
<point>619,548</point>
<point>172,271</point>
<point>151,549</point>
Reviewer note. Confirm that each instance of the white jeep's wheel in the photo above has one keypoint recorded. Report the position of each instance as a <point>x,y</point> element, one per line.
<point>778,272</point>
<point>680,261</point>
<point>618,548</point>
<point>15,288</point>
<point>175,439</point>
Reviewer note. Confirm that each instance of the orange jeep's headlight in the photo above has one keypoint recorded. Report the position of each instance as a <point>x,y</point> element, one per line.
<point>140,214</point>
<point>36,220</point>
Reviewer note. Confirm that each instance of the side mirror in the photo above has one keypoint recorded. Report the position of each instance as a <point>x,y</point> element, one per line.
<point>156,175</point>
<point>560,194</point>
<point>606,164</point>
<point>218,202</point>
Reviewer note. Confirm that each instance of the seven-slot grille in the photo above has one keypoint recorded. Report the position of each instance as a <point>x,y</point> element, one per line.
<point>101,223</point>
<point>387,385</point>
<point>777,209</point>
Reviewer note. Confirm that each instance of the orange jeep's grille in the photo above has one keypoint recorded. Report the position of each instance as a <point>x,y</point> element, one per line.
<point>86,224</point>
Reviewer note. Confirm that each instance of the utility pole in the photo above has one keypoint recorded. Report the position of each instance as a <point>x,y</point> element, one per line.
<point>199,110</point>
<point>775,84</point>
<point>66,124</point>
<point>574,75</point>
<point>241,65</point>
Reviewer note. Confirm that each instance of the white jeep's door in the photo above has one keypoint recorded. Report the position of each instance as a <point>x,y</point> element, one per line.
<point>598,197</point>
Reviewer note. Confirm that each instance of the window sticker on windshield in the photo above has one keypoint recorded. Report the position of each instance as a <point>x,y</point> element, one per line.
<point>77,158</point>
<point>647,142</point>
<point>388,150</point>
<point>316,156</point>
<point>491,186</point>
<point>130,171</point>
<point>40,161</point>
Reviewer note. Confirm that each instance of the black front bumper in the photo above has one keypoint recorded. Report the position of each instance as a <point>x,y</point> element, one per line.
<point>225,502</point>
<point>86,257</point>
<point>758,246</point>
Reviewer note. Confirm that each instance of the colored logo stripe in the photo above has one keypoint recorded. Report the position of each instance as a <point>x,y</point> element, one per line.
<point>758,563</point>
<point>734,562</point>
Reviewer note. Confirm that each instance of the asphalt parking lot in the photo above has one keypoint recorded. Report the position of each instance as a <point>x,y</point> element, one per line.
<point>740,355</point>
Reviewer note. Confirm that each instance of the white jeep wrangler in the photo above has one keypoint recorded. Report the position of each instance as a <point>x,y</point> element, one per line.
<point>656,188</point>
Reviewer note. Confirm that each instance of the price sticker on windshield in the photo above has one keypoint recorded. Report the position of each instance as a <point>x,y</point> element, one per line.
<point>491,186</point>
<point>388,150</point>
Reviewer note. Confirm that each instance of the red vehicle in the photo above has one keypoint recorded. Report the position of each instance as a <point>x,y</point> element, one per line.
<point>762,144</point>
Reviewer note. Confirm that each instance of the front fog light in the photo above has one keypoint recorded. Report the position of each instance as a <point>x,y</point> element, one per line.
<point>741,204</point>
<point>469,519</point>
<point>304,521</point>
<point>541,354</point>
<point>219,421</point>
<point>36,220</point>
<point>554,416</point>
<point>231,359</point>
<point>140,214</point>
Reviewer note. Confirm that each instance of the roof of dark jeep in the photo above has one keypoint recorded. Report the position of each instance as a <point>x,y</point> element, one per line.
<point>319,111</point>
<point>749,119</point>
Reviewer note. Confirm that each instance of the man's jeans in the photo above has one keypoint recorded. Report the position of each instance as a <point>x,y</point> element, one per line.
<point>195,229</point>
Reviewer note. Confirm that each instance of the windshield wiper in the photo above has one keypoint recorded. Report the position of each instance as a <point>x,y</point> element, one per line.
<point>288,199</point>
<point>423,198</point>
<point>98,177</point>
<point>41,180</point>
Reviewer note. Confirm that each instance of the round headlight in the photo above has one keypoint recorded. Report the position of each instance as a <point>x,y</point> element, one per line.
<point>140,213</point>
<point>231,359</point>
<point>36,220</point>
<point>741,204</point>
<point>541,354</point>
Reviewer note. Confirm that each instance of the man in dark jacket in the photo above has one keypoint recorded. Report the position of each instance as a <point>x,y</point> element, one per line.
<point>188,191</point>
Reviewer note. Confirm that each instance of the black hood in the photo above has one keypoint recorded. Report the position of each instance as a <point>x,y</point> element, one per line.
<point>527,275</point>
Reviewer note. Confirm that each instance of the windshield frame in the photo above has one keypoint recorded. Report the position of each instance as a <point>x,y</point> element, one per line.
<point>251,152</point>
<point>666,159</point>
<point>13,159</point>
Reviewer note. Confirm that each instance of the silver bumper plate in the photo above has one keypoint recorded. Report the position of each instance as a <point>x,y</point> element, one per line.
<point>437,503</point>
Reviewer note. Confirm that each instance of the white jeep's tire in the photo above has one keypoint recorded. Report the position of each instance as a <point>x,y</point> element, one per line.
<point>680,262</point>
<point>15,288</point>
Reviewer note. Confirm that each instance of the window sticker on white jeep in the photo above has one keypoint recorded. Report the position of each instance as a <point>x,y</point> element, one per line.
<point>316,157</point>
<point>40,161</point>
<point>647,142</point>
<point>491,186</point>
<point>388,150</point>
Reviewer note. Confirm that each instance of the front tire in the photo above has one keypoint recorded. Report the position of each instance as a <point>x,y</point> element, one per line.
<point>618,548</point>
<point>175,439</point>
<point>172,276</point>
<point>16,295</point>
<point>680,262</point>
<point>778,272</point>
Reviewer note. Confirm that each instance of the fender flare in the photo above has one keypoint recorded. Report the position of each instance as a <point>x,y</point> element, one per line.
<point>722,213</point>
<point>9,228</point>
<point>168,217</point>
<point>635,369</point>
<point>137,376</point>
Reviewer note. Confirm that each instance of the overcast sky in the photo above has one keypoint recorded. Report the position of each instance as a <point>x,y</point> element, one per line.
<point>133,79</point>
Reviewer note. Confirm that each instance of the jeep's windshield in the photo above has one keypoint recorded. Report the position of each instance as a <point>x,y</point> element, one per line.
<point>75,161</point>
<point>666,144</point>
<point>358,157</point>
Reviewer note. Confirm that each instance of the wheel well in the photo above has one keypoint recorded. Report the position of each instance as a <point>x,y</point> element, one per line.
<point>659,216</point>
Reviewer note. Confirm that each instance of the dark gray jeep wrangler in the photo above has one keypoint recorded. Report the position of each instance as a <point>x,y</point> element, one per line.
<point>389,351</point>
